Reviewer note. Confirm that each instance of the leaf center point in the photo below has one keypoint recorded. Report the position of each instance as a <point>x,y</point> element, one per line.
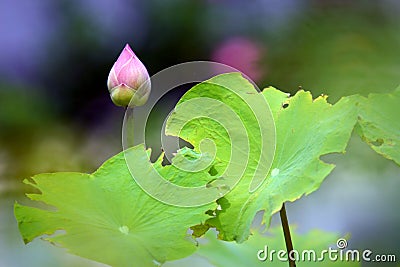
<point>274,172</point>
<point>124,229</point>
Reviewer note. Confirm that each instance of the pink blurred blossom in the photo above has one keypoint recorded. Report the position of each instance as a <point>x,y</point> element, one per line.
<point>242,54</point>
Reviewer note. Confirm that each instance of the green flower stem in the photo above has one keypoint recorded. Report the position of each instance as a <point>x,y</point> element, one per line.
<point>286,233</point>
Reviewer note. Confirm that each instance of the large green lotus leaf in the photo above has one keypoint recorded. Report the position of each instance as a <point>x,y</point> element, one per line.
<point>222,253</point>
<point>379,123</point>
<point>106,217</point>
<point>230,111</point>
<point>305,130</point>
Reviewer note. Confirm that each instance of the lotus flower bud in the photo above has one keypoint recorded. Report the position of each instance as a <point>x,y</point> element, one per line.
<point>128,81</point>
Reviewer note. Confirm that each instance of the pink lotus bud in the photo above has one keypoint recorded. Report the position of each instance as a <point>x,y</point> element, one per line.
<point>128,81</point>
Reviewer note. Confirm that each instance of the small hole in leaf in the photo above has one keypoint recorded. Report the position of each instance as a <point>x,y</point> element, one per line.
<point>209,212</point>
<point>285,105</point>
<point>210,183</point>
<point>378,142</point>
<point>212,171</point>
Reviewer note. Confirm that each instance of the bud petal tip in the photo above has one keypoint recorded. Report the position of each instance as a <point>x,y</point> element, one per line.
<point>128,81</point>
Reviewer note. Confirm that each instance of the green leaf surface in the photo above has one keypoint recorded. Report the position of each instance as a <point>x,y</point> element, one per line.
<point>379,123</point>
<point>305,130</point>
<point>228,110</point>
<point>222,253</point>
<point>106,217</point>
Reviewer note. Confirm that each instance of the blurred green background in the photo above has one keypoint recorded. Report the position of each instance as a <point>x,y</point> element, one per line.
<point>56,115</point>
